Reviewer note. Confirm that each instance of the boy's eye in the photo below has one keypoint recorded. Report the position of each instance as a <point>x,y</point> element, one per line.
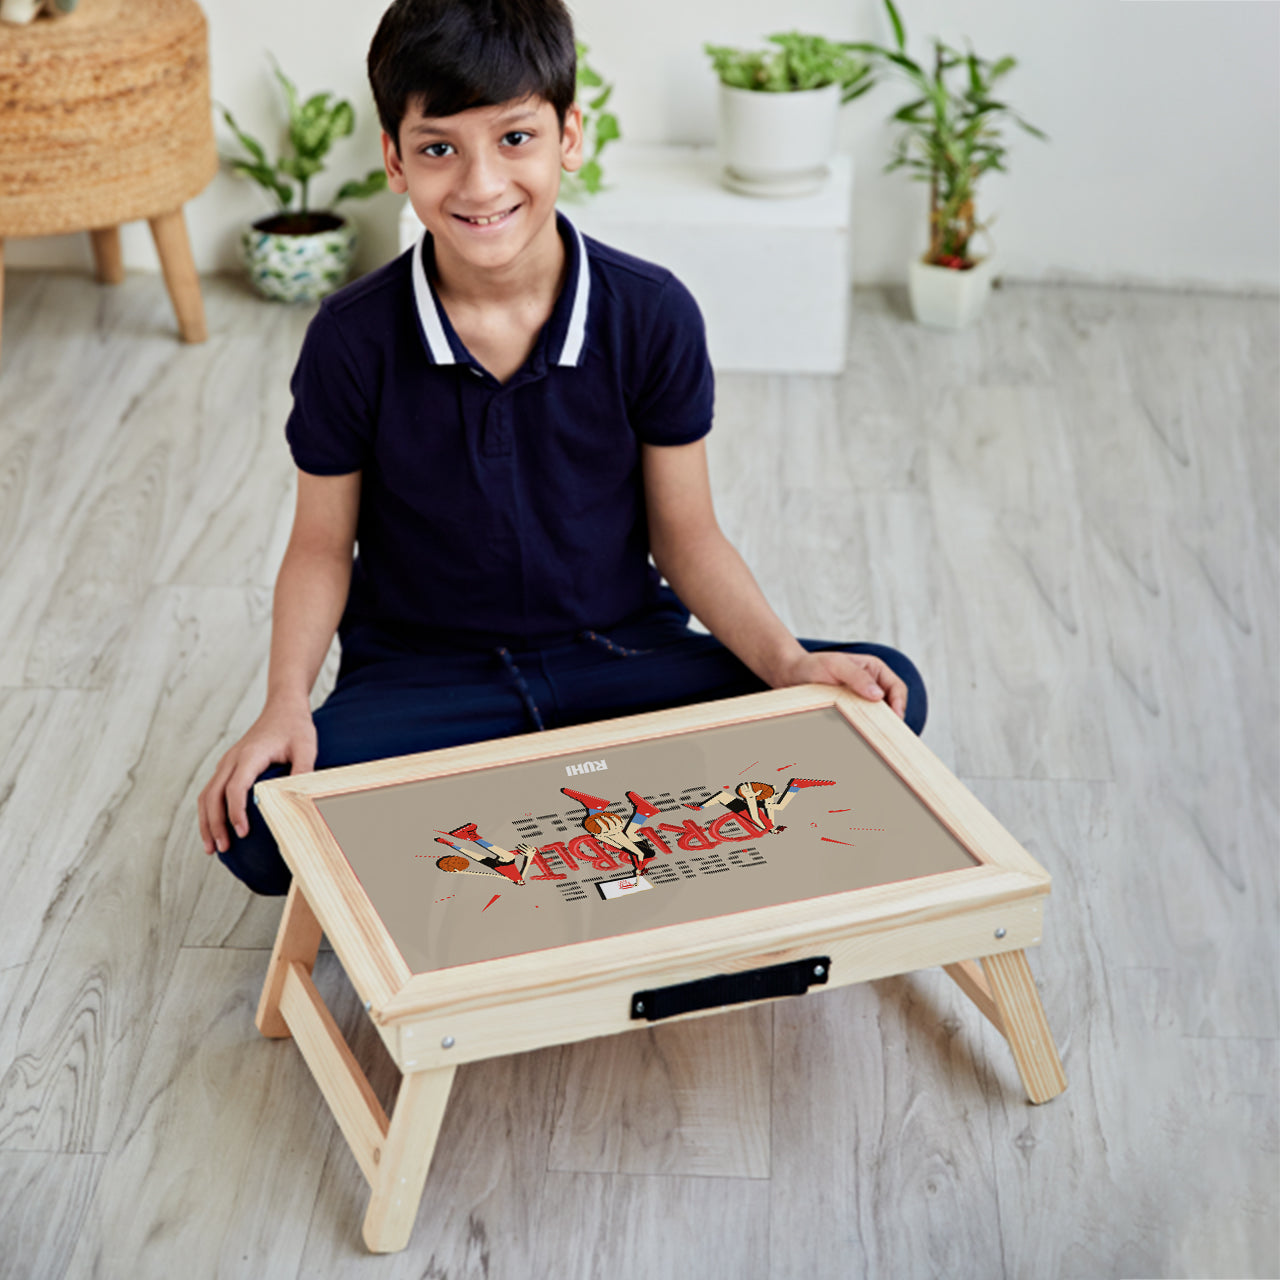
<point>437,150</point>
<point>516,138</point>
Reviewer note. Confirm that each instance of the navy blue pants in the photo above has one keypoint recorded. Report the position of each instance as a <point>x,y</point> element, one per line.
<point>391,701</point>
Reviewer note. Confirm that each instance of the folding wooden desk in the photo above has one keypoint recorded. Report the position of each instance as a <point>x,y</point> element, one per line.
<point>539,890</point>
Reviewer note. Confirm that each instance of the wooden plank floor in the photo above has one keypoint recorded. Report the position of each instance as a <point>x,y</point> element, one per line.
<point>1070,516</point>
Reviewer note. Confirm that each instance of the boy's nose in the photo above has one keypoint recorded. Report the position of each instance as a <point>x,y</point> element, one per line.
<point>482,182</point>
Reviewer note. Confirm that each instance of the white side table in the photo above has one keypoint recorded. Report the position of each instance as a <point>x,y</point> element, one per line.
<point>772,277</point>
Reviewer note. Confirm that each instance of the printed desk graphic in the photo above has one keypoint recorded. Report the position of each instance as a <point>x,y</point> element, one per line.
<point>518,858</point>
<point>539,890</point>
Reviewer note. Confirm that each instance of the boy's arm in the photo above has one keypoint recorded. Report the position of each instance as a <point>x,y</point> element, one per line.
<point>713,580</point>
<point>311,592</point>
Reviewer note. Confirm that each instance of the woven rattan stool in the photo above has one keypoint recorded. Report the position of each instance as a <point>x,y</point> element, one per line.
<point>105,118</point>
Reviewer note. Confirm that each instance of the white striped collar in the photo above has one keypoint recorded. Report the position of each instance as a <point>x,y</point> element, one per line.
<point>430,312</point>
<point>575,336</point>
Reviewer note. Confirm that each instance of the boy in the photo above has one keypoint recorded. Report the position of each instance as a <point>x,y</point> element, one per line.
<point>506,422</point>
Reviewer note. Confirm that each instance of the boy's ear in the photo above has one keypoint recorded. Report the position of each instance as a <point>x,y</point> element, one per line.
<point>395,169</point>
<point>571,140</point>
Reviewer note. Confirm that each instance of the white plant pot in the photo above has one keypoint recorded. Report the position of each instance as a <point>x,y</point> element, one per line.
<point>944,298</point>
<point>19,12</point>
<point>777,144</point>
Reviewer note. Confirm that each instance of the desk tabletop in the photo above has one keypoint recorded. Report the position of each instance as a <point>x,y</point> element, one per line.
<point>521,857</point>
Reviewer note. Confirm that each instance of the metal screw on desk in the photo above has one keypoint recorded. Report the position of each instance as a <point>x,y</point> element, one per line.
<point>447,1042</point>
<point>1000,932</point>
<point>368,1004</point>
<point>818,971</point>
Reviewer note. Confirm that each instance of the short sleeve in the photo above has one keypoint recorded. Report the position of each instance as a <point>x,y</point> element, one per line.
<point>330,429</point>
<point>676,394</point>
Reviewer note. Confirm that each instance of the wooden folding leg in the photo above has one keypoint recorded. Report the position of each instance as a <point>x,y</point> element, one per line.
<point>108,258</point>
<point>1009,992</point>
<point>297,940</point>
<point>169,231</point>
<point>406,1157</point>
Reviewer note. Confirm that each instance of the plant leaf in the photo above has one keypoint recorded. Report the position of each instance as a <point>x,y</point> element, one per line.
<point>370,185</point>
<point>607,129</point>
<point>251,145</point>
<point>899,32</point>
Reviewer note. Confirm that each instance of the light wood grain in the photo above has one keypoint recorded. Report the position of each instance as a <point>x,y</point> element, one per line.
<point>108,259</point>
<point>1143,494</point>
<point>486,1199</point>
<point>169,231</point>
<point>1021,1017</point>
<point>351,1099</point>
<point>969,977</point>
<point>43,1201</point>
<point>686,1099</point>
<point>217,1156</point>
<point>405,1158</point>
<point>298,939</point>
<point>106,934</point>
<point>881,1159</point>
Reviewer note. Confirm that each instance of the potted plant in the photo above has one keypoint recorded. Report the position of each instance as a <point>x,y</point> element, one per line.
<point>599,129</point>
<point>301,254</point>
<point>778,110</point>
<point>950,138</point>
<point>20,12</point>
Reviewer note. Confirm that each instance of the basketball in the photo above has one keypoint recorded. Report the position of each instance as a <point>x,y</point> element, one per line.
<point>453,862</point>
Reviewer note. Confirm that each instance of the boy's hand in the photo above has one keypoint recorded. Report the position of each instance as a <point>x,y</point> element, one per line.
<point>280,735</point>
<point>864,673</point>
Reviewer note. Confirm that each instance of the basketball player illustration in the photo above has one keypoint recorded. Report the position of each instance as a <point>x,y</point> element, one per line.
<point>611,830</point>
<point>497,860</point>
<point>760,802</point>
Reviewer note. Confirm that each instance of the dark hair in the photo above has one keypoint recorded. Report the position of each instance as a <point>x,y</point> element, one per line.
<point>452,55</point>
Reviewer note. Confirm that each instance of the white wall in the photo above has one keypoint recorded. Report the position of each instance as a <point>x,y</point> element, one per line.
<point>1164,164</point>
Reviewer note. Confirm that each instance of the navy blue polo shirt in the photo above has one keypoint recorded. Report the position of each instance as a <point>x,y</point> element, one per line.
<point>500,513</point>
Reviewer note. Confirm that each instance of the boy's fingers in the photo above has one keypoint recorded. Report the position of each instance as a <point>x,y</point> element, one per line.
<point>206,836</point>
<point>237,799</point>
<point>216,823</point>
<point>894,687</point>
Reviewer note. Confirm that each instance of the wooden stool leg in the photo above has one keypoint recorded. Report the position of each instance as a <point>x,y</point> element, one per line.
<point>108,258</point>
<point>1014,993</point>
<point>169,231</point>
<point>297,941</point>
<point>1,288</point>
<point>402,1172</point>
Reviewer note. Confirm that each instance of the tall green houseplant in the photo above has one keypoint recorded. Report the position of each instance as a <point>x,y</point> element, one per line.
<point>951,134</point>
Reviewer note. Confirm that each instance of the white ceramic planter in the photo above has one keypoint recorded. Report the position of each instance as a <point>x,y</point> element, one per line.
<point>944,298</point>
<point>19,12</point>
<point>777,144</point>
<point>297,268</point>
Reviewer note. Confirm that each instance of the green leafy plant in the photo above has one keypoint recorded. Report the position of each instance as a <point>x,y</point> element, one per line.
<point>797,62</point>
<point>599,128</point>
<point>314,125</point>
<point>951,135</point>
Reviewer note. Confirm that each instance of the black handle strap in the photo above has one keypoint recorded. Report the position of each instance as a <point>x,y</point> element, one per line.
<point>791,979</point>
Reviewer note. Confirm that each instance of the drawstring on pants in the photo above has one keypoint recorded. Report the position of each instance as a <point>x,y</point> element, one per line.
<point>618,650</point>
<point>522,685</point>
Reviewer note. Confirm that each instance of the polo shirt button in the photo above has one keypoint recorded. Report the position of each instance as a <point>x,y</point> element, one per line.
<point>479,373</point>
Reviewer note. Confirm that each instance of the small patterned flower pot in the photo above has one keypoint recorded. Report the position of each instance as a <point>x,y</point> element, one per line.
<point>289,263</point>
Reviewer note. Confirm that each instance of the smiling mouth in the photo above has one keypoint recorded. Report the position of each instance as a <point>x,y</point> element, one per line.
<point>489,219</point>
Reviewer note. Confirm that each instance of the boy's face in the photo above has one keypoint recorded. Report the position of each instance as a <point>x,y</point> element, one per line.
<point>484,181</point>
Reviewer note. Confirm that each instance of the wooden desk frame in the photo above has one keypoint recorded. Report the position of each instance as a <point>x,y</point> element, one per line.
<point>975,922</point>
